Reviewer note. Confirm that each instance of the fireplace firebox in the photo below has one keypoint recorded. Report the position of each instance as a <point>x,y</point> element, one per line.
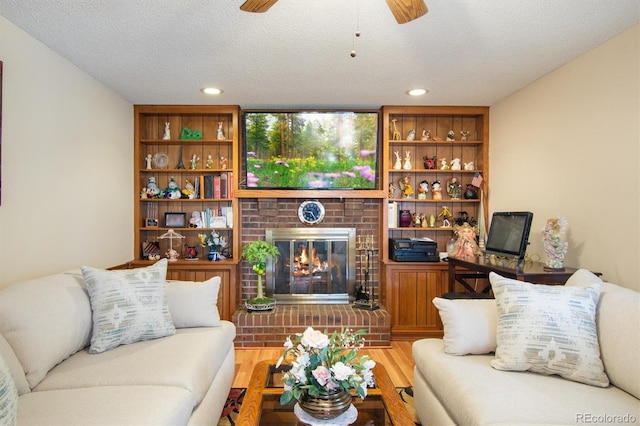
<point>316,265</point>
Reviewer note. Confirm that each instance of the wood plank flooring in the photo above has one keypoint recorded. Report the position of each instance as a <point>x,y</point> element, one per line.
<point>396,359</point>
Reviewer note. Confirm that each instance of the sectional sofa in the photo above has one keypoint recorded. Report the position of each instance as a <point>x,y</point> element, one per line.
<point>96,347</point>
<point>535,355</point>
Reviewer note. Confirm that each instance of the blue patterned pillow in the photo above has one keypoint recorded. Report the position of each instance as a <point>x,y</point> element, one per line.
<point>548,330</point>
<point>8,396</point>
<point>128,305</point>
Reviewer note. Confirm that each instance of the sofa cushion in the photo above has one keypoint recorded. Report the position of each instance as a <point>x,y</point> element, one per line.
<point>128,305</point>
<point>473,393</point>
<point>45,320</point>
<point>548,330</point>
<point>194,304</point>
<point>469,325</point>
<point>107,405</point>
<point>618,320</point>
<point>8,396</point>
<point>189,359</point>
<point>17,373</point>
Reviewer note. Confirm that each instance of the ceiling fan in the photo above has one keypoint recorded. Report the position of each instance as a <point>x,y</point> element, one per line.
<point>403,10</point>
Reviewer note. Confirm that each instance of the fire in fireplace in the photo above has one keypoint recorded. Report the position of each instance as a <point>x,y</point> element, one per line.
<point>315,265</point>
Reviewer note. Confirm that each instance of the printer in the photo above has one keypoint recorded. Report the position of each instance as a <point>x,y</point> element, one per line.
<point>413,250</point>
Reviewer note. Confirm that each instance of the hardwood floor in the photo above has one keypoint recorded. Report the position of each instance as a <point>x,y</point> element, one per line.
<point>396,359</point>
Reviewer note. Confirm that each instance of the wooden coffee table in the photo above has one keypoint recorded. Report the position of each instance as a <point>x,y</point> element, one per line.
<point>261,404</point>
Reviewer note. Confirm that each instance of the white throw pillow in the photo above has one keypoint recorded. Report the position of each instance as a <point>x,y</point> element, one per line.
<point>469,325</point>
<point>548,330</point>
<point>194,304</point>
<point>128,305</point>
<point>8,396</point>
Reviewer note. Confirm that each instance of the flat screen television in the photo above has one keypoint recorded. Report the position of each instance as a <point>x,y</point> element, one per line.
<point>334,149</point>
<point>509,234</point>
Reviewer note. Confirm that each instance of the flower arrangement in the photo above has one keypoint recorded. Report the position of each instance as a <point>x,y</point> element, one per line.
<point>555,245</point>
<point>213,240</point>
<point>323,364</point>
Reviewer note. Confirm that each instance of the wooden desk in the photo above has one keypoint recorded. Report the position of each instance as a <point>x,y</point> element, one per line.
<point>480,267</point>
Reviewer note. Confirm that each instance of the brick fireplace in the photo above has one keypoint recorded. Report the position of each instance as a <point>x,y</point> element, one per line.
<point>272,328</point>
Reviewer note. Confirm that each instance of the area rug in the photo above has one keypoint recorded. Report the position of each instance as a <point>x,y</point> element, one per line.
<point>236,395</point>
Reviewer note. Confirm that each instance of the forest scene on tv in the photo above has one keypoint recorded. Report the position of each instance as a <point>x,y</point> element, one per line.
<point>311,150</point>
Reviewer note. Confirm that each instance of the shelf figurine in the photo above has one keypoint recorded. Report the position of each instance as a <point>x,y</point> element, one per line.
<point>453,188</point>
<point>189,190</point>
<point>471,193</point>
<point>396,133</point>
<point>220,131</point>
<point>152,188</point>
<point>445,214</point>
<point>406,187</point>
<point>392,190</point>
<point>436,190</point>
<point>443,164</point>
<point>196,220</point>
<point>209,162</point>
<point>167,131</point>
<point>455,164</point>
<point>422,190</point>
<point>194,162</point>
<point>429,163</point>
<point>148,160</point>
<point>426,135</point>
<point>411,136</point>
<point>464,134</point>
<point>407,161</point>
<point>398,164</point>
<point>223,163</point>
<point>470,166</point>
<point>173,191</point>
<point>451,136</point>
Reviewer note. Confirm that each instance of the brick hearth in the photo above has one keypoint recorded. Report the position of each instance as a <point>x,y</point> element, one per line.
<point>270,329</point>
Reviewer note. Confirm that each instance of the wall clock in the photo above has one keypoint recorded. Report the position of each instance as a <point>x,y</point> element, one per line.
<point>311,212</point>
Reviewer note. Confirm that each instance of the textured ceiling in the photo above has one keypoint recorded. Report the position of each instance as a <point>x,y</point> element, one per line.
<point>466,52</point>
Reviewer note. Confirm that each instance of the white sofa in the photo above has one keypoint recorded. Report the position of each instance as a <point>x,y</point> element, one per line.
<point>466,389</point>
<point>46,329</point>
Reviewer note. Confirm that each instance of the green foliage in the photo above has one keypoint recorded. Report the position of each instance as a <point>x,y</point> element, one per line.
<point>257,253</point>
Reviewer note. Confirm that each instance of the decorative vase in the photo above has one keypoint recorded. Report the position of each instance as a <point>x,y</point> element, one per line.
<point>405,218</point>
<point>213,255</point>
<point>325,407</point>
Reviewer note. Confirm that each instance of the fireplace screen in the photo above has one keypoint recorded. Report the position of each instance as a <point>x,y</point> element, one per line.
<point>314,266</point>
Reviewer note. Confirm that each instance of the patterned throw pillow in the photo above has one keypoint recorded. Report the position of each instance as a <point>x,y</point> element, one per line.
<point>548,330</point>
<point>128,305</point>
<point>8,396</point>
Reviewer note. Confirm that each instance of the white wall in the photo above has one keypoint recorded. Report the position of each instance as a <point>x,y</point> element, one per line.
<point>66,164</point>
<point>568,144</point>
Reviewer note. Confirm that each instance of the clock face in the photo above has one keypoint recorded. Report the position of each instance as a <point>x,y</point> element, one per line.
<point>311,212</point>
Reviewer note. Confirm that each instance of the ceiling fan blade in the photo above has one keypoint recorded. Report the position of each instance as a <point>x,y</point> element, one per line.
<point>407,10</point>
<point>257,6</point>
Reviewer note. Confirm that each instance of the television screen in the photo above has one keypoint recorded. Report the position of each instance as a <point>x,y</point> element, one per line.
<point>509,234</point>
<point>311,149</point>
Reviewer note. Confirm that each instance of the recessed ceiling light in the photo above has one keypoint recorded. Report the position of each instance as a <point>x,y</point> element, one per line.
<point>416,92</point>
<point>211,91</point>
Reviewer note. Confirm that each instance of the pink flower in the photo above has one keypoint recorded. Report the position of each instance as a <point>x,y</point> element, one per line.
<point>314,339</point>
<point>322,375</point>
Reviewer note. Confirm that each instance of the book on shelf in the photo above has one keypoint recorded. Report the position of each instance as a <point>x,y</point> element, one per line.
<point>224,185</point>
<point>216,187</point>
<point>208,186</point>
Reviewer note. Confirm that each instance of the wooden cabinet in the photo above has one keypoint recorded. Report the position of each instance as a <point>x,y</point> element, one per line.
<point>409,289</point>
<point>415,149</point>
<point>201,149</point>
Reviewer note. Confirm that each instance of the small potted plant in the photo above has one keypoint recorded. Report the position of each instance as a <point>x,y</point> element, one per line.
<point>257,253</point>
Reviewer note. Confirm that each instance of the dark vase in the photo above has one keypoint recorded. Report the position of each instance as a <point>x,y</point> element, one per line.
<point>326,407</point>
<point>405,218</point>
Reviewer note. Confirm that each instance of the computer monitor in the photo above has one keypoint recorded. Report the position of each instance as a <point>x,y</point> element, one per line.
<point>509,234</point>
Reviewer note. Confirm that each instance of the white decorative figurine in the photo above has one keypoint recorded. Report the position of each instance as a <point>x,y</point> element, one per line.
<point>148,159</point>
<point>555,245</point>
<point>194,162</point>
<point>412,135</point>
<point>465,134</point>
<point>469,166</point>
<point>167,131</point>
<point>398,163</point>
<point>220,132</point>
<point>443,164</point>
<point>451,136</point>
<point>455,164</point>
<point>407,161</point>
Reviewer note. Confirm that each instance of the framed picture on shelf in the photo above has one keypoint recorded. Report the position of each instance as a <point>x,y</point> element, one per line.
<point>175,220</point>
<point>151,223</point>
